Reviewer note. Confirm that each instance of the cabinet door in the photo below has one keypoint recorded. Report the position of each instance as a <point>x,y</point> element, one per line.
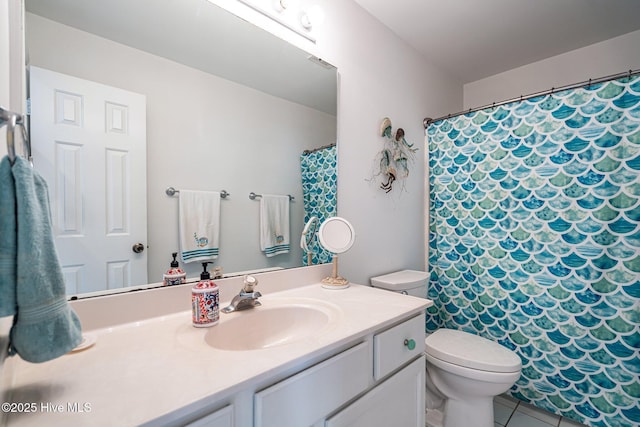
<point>220,418</point>
<point>398,401</point>
<point>316,392</point>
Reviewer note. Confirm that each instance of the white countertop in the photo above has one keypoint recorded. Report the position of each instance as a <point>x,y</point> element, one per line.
<point>140,371</point>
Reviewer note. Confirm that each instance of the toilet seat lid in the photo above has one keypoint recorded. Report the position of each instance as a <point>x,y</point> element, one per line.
<point>471,351</point>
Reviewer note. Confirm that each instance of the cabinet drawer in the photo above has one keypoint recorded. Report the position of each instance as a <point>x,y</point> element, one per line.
<point>391,348</point>
<point>315,392</point>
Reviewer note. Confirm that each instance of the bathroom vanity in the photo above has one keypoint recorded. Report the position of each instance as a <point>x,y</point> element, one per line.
<point>307,356</point>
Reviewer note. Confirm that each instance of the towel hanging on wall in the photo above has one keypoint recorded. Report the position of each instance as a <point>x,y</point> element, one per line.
<point>274,224</point>
<point>199,225</point>
<point>8,240</point>
<point>45,327</point>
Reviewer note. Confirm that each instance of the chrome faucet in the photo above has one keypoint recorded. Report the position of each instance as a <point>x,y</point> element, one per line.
<point>247,298</point>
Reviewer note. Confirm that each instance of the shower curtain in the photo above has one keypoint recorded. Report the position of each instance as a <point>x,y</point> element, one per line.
<point>319,191</point>
<point>534,242</point>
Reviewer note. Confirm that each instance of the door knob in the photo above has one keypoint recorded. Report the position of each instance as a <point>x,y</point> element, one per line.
<point>137,248</point>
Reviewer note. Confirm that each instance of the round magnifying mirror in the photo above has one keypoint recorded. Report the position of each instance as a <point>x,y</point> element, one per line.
<point>308,232</point>
<point>337,236</point>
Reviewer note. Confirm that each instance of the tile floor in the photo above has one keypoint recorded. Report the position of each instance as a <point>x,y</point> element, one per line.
<point>510,412</point>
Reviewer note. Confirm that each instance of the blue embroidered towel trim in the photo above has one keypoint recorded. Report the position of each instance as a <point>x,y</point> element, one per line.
<point>199,225</point>
<point>45,326</point>
<point>274,224</point>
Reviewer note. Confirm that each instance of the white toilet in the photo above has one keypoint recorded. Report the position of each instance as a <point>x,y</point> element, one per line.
<point>464,371</point>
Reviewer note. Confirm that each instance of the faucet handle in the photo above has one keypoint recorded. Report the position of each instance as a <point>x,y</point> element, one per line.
<point>250,282</point>
<point>217,273</point>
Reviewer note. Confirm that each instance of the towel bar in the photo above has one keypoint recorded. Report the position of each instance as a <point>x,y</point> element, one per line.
<point>172,192</point>
<point>254,196</point>
<point>13,120</point>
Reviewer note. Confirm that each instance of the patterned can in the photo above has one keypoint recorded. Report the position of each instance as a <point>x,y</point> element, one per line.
<point>205,304</point>
<point>174,276</point>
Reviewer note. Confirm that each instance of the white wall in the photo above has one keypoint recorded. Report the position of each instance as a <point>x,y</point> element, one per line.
<point>203,133</point>
<point>612,56</point>
<point>380,76</point>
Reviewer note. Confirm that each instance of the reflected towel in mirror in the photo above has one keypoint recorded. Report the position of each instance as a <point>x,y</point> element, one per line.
<point>199,225</point>
<point>274,224</point>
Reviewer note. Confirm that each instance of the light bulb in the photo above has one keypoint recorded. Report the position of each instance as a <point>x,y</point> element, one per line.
<point>280,5</point>
<point>314,16</point>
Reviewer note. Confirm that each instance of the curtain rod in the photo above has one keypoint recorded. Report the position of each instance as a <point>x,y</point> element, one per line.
<point>319,148</point>
<point>427,121</point>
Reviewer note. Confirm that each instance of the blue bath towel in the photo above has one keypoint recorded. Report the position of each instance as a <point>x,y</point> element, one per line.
<point>45,326</point>
<point>8,245</point>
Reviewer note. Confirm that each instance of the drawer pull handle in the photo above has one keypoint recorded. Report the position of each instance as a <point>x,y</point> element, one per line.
<point>410,344</point>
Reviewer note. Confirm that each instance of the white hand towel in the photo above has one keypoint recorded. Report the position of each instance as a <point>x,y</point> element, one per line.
<point>199,225</point>
<point>274,224</point>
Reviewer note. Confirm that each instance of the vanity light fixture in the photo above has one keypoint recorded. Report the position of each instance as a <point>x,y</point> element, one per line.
<point>280,6</point>
<point>305,20</point>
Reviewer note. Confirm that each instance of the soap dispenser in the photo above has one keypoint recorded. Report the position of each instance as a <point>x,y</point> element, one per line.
<point>205,301</point>
<point>174,275</point>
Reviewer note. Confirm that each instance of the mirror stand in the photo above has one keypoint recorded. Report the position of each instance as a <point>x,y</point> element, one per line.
<point>335,281</point>
<point>337,236</point>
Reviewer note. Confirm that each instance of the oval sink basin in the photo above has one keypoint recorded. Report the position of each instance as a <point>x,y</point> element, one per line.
<point>276,322</point>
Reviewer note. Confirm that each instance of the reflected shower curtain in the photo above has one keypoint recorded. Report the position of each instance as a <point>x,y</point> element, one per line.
<point>319,191</point>
<point>534,242</point>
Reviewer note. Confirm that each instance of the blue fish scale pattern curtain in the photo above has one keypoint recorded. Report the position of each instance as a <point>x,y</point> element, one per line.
<point>534,242</point>
<point>319,191</point>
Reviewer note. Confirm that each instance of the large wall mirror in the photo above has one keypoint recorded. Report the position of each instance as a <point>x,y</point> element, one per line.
<point>212,102</point>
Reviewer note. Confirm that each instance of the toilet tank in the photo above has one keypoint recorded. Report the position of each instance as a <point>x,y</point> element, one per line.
<point>409,282</point>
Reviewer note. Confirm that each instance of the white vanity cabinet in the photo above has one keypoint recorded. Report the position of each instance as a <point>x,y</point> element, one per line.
<point>397,400</point>
<point>365,367</point>
<point>364,372</point>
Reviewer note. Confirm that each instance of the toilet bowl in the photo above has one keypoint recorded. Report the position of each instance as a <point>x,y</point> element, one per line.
<point>464,371</point>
